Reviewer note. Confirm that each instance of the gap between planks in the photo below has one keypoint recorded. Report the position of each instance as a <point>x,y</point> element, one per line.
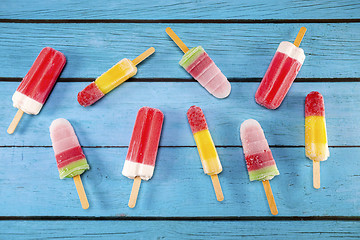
<point>210,218</point>
<point>172,21</point>
<point>245,80</point>
<point>180,146</point>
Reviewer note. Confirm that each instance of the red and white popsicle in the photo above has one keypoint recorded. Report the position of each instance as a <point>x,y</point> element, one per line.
<point>36,86</point>
<point>143,147</point>
<point>281,73</point>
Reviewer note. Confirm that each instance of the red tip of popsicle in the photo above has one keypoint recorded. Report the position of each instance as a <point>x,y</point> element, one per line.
<point>196,119</point>
<point>89,95</point>
<point>314,105</point>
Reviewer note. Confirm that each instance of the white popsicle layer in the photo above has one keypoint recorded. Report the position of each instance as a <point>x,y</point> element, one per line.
<point>292,51</point>
<point>134,169</point>
<point>26,104</point>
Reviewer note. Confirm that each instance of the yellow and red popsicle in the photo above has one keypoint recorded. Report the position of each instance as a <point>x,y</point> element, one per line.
<point>206,147</point>
<point>316,144</point>
<point>112,78</point>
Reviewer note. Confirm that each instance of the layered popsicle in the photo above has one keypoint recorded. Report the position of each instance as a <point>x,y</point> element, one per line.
<point>36,86</point>
<point>143,147</point>
<point>201,67</point>
<point>206,147</point>
<point>69,155</point>
<point>259,160</point>
<point>316,145</point>
<point>109,80</point>
<point>281,73</point>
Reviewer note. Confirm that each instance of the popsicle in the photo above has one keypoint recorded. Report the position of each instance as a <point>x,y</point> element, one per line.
<point>109,80</point>
<point>70,158</point>
<point>37,84</point>
<point>143,147</point>
<point>259,160</point>
<point>316,145</point>
<point>201,67</point>
<point>206,147</point>
<point>281,73</point>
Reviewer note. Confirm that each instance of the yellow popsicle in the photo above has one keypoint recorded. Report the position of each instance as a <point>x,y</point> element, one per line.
<point>116,75</point>
<point>207,151</point>
<point>316,145</point>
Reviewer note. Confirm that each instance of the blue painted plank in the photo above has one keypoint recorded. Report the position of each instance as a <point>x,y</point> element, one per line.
<point>30,185</point>
<point>110,121</point>
<point>281,230</point>
<point>211,9</point>
<point>240,50</point>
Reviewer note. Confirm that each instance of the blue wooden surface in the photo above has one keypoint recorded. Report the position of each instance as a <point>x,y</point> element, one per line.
<point>93,48</point>
<point>146,230</point>
<point>163,9</point>
<point>224,116</point>
<point>179,202</point>
<point>179,187</point>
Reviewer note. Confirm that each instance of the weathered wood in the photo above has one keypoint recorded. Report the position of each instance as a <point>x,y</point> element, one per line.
<point>211,9</point>
<point>110,121</point>
<point>239,50</point>
<point>179,188</point>
<point>252,230</point>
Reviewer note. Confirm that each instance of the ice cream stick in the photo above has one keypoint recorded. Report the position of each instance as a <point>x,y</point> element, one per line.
<point>316,174</point>
<point>143,56</point>
<point>15,121</point>
<point>177,40</point>
<point>217,187</point>
<point>300,36</point>
<point>270,197</point>
<point>81,192</point>
<point>134,192</point>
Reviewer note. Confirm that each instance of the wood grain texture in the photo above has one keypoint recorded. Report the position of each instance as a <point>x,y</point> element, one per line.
<point>179,187</point>
<point>210,9</point>
<point>252,230</point>
<point>110,121</point>
<point>239,50</point>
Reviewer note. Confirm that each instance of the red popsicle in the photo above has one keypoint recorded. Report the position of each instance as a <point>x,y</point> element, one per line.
<point>36,86</point>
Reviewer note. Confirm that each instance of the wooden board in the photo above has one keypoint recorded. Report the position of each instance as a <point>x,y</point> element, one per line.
<point>179,187</point>
<point>197,10</point>
<point>110,121</point>
<point>179,202</point>
<point>251,230</point>
<point>239,50</point>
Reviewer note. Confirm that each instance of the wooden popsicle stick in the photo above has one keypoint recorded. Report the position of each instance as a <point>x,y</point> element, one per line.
<point>143,56</point>
<point>177,40</point>
<point>81,192</point>
<point>316,174</point>
<point>15,121</point>
<point>134,192</point>
<point>300,36</point>
<point>217,187</point>
<point>270,197</point>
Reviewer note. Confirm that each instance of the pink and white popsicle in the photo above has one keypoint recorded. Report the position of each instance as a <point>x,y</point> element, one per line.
<point>69,155</point>
<point>201,67</point>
